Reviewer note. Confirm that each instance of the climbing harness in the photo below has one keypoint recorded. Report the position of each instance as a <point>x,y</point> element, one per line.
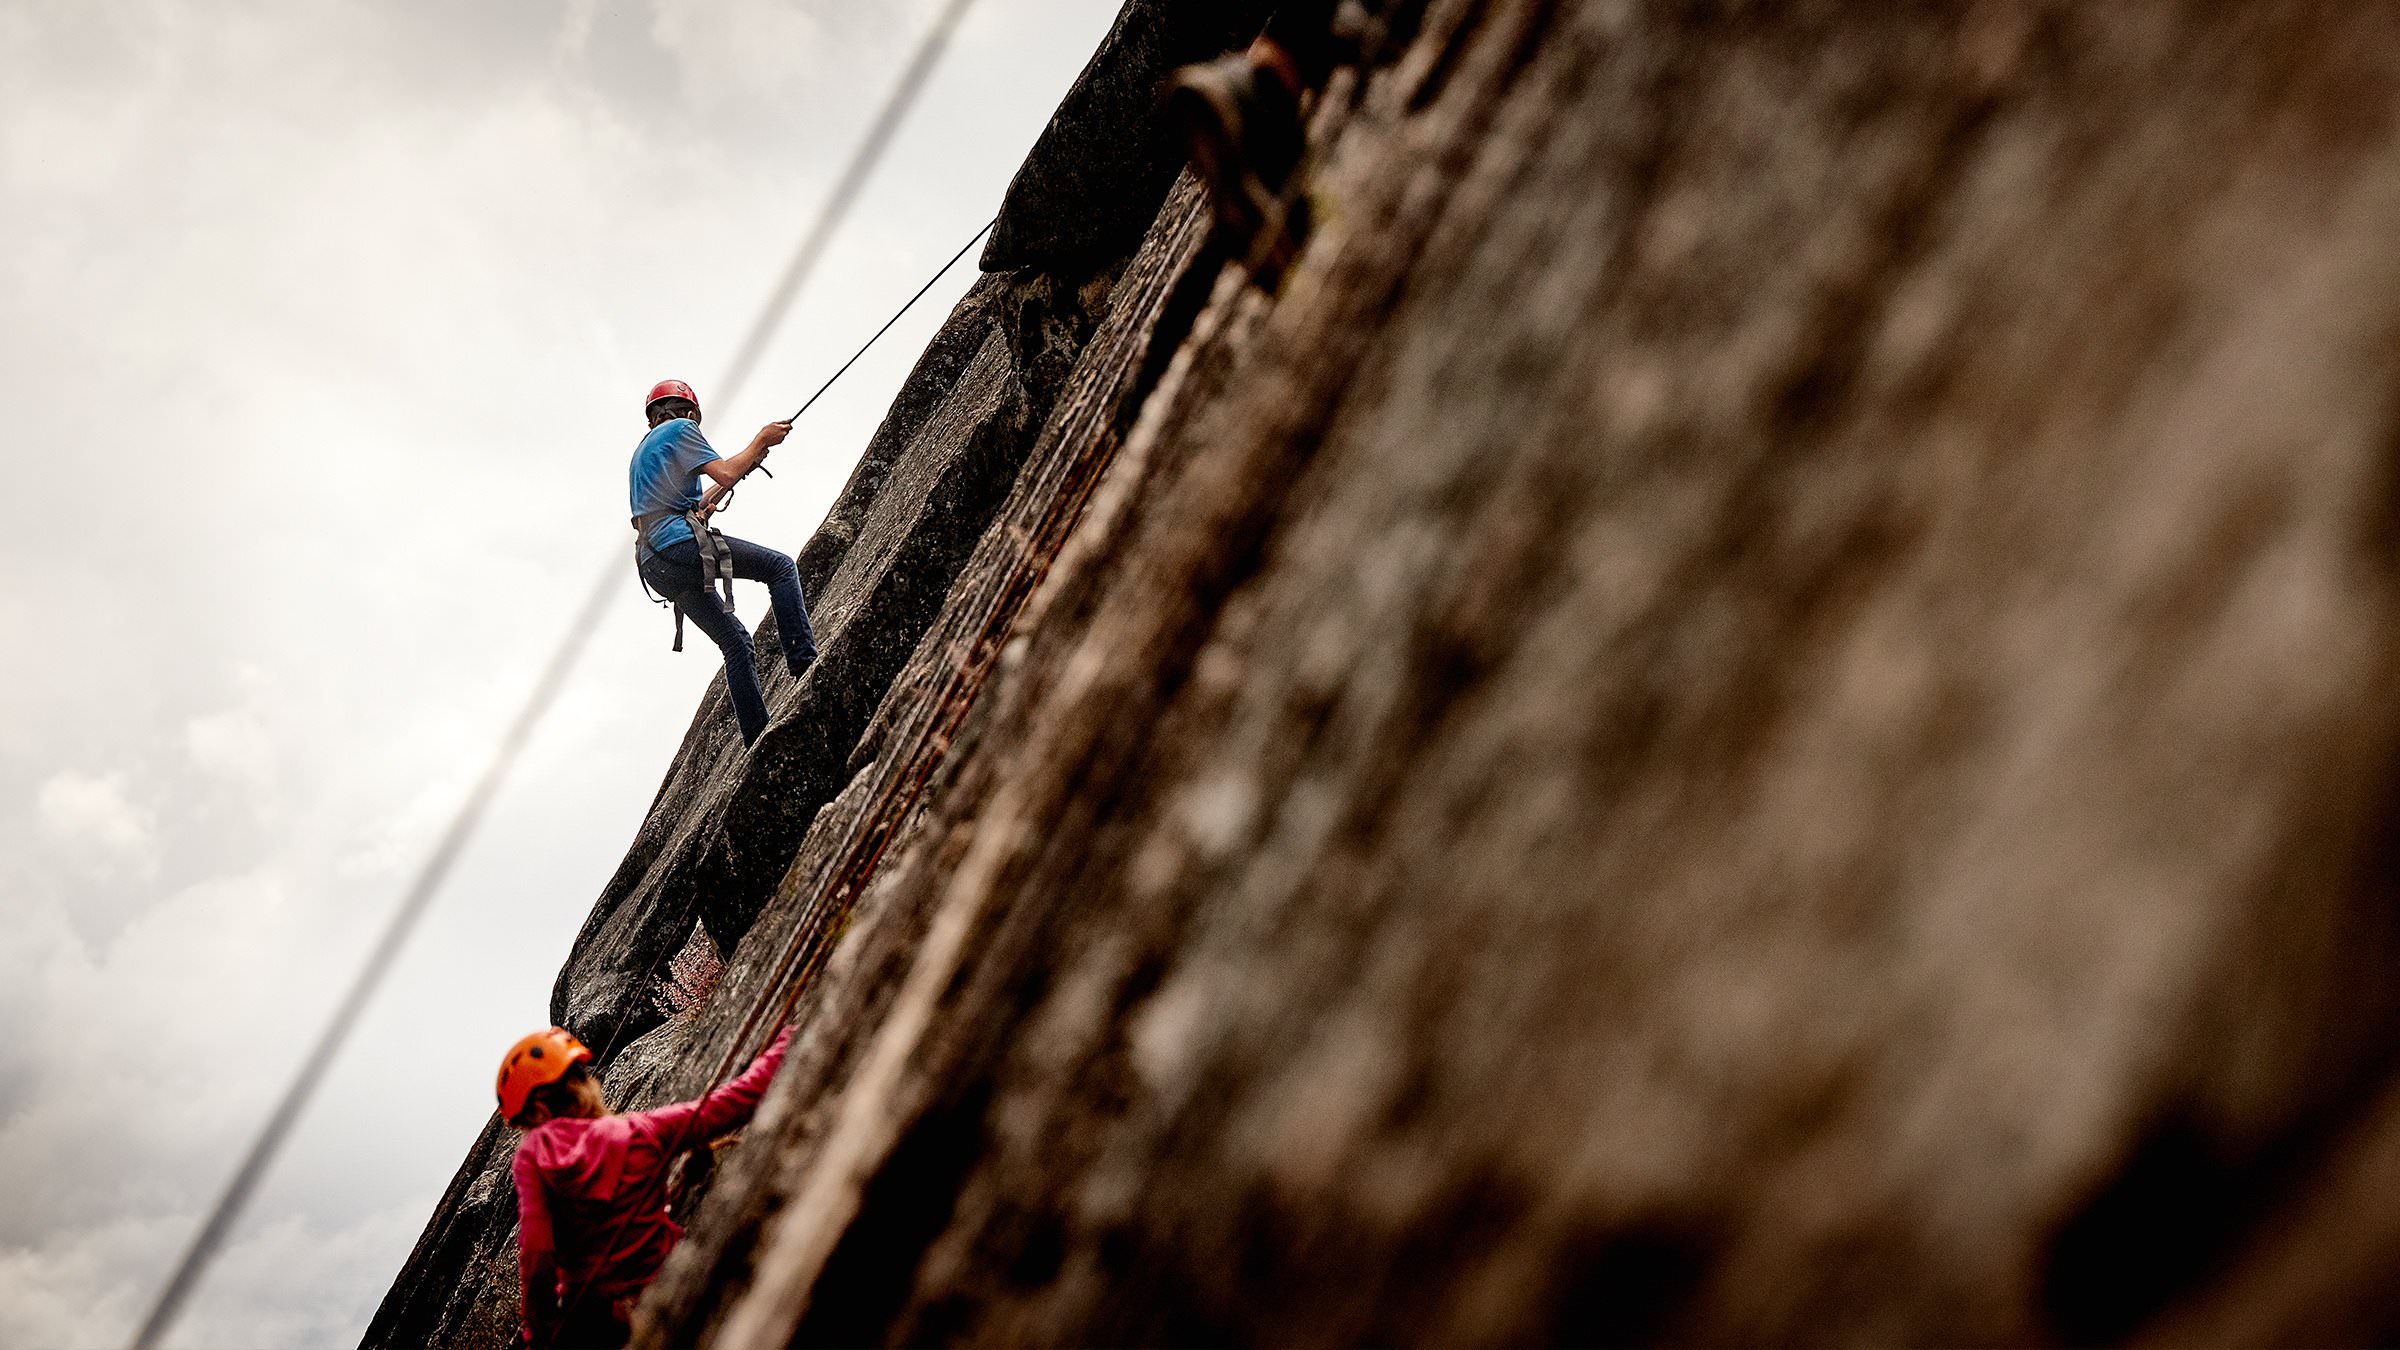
<point>716,557</point>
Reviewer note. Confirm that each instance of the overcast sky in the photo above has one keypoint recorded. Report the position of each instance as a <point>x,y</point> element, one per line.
<point>323,333</point>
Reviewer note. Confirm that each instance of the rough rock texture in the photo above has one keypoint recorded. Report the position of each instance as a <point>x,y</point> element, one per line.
<point>1757,710</point>
<point>1759,706</point>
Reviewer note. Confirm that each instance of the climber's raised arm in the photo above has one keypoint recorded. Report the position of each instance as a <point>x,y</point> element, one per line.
<point>726,1108</point>
<point>732,470</point>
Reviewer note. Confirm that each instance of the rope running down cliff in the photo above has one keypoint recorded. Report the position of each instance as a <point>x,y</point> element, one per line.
<point>435,870</point>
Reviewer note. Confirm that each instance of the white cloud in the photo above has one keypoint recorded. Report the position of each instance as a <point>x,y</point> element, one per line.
<point>738,49</point>
<point>294,1282</point>
<point>231,745</point>
<point>81,1291</point>
<point>290,1282</point>
<point>94,818</point>
<point>144,1059</point>
<point>575,29</point>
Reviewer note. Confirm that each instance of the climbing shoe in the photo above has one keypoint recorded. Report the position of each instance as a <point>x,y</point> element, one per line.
<point>1240,118</point>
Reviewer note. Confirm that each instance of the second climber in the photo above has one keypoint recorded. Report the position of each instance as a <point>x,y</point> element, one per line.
<point>593,1226</point>
<point>692,566</point>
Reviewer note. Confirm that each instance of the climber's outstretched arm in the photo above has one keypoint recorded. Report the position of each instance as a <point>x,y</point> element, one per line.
<point>688,1123</point>
<point>732,470</point>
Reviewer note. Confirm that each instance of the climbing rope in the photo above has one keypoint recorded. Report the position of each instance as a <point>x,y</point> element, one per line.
<point>720,495</point>
<point>430,875</point>
<point>887,324</point>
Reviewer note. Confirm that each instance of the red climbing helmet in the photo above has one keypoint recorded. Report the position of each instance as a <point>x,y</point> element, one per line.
<point>537,1061</point>
<point>669,389</point>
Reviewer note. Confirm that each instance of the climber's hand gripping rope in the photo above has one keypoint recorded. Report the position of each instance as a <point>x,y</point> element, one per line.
<point>720,493</point>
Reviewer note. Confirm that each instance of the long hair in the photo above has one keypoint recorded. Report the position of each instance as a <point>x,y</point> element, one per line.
<point>558,1098</point>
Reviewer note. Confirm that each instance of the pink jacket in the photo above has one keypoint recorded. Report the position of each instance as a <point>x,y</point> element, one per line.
<point>583,1183</point>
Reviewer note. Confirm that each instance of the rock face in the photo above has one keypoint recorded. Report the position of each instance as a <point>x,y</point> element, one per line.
<point>1758,706</point>
<point>1087,193</point>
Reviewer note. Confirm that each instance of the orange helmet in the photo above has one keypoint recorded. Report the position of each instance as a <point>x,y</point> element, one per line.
<point>537,1061</point>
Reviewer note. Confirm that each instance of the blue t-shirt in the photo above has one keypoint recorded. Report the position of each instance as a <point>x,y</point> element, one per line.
<point>666,477</point>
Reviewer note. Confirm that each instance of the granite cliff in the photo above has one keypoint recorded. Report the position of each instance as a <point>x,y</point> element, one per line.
<point>1756,704</point>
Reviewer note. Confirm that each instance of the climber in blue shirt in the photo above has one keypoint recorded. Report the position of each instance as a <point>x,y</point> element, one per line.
<point>688,564</point>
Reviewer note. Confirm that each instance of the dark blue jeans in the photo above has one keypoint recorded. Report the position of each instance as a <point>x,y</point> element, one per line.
<point>674,572</point>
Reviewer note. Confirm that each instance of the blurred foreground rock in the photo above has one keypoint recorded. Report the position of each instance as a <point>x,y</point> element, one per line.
<point>1757,707</point>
